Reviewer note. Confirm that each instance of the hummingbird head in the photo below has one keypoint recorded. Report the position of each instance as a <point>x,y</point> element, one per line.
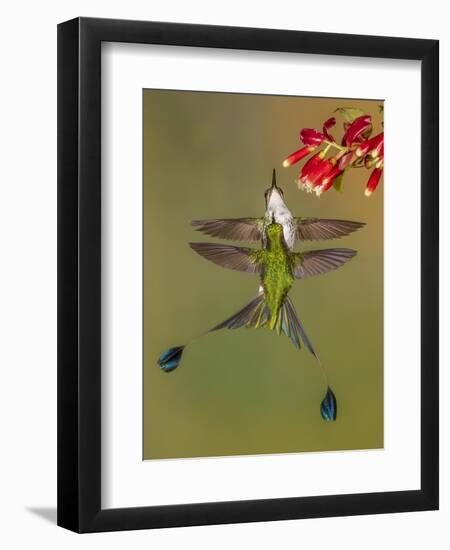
<point>274,194</point>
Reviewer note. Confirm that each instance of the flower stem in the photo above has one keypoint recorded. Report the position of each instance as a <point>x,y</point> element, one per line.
<point>334,144</point>
<point>327,148</point>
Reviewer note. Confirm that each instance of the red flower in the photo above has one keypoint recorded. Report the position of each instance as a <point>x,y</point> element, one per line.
<point>298,155</point>
<point>313,172</point>
<point>311,164</point>
<point>356,130</point>
<point>373,180</point>
<point>345,160</point>
<point>356,150</point>
<point>378,150</point>
<point>372,146</point>
<point>309,136</point>
<point>329,123</point>
<point>327,182</point>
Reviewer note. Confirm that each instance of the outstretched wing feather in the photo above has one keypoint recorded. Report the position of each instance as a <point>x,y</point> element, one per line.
<point>239,229</point>
<point>316,262</point>
<point>316,229</point>
<point>231,257</point>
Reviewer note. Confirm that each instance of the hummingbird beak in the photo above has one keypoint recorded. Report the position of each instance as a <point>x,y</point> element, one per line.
<point>274,179</point>
<point>272,188</point>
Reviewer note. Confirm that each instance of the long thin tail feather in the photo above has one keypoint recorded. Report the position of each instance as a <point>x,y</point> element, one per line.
<point>294,321</point>
<point>247,316</point>
<point>256,314</point>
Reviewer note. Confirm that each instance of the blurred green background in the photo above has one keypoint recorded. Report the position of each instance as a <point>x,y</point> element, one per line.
<point>247,391</point>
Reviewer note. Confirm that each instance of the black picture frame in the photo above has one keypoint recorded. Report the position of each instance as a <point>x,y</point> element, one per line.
<point>79,274</point>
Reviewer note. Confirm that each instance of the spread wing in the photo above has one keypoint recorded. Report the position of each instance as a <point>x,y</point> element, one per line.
<point>316,229</point>
<point>249,229</point>
<point>231,257</point>
<point>239,229</point>
<point>316,262</point>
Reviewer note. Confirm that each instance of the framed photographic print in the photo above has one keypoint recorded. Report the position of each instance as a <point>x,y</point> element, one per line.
<point>248,275</point>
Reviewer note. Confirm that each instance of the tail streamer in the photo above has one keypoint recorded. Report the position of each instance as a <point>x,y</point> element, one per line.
<point>256,314</point>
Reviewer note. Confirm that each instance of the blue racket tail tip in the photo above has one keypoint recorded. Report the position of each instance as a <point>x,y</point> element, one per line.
<point>170,359</point>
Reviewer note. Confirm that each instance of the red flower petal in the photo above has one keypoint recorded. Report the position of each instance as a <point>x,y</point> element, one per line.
<point>358,127</point>
<point>373,181</point>
<point>321,171</point>
<point>363,148</point>
<point>313,174</point>
<point>309,136</point>
<point>378,147</point>
<point>329,123</point>
<point>310,165</point>
<point>370,145</point>
<point>345,160</point>
<point>327,182</point>
<point>298,155</point>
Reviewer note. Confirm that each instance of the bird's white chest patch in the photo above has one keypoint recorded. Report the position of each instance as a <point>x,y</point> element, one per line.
<point>284,218</point>
<point>289,233</point>
<point>280,213</point>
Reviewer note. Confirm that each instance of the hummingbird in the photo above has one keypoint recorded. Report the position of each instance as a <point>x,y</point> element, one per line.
<point>278,267</point>
<point>294,228</point>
